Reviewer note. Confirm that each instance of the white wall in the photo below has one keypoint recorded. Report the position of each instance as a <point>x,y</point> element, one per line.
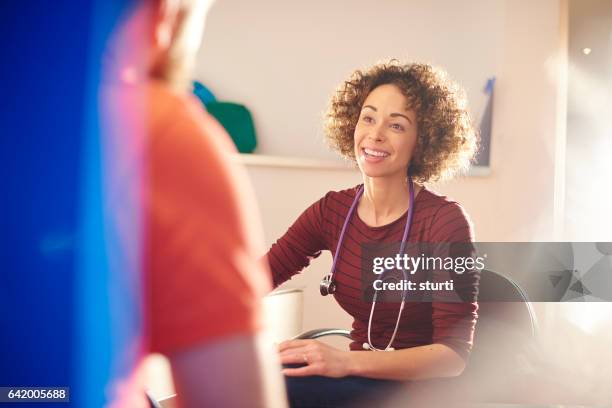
<point>517,201</point>
<point>589,168</point>
<point>283,60</point>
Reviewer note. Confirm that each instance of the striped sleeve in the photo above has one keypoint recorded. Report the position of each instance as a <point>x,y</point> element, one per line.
<point>302,242</point>
<point>454,321</point>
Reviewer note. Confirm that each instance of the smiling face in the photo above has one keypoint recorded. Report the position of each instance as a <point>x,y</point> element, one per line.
<point>386,133</point>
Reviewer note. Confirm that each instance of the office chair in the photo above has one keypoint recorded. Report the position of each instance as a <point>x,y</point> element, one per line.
<point>505,341</point>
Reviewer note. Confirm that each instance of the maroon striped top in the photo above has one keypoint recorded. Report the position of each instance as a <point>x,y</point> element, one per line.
<point>436,219</point>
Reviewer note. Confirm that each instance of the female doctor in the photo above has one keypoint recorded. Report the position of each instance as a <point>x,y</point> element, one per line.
<point>404,125</point>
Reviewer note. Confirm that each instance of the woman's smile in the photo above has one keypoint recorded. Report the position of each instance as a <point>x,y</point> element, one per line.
<point>385,134</point>
<point>372,155</point>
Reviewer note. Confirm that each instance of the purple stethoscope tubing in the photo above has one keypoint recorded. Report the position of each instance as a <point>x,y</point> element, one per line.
<point>330,277</point>
<point>350,215</point>
<point>344,227</point>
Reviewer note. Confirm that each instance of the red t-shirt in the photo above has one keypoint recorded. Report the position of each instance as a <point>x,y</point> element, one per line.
<point>188,232</point>
<point>201,234</point>
<point>435,220</point>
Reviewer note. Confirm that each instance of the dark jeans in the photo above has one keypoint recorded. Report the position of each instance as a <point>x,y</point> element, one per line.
<point>317,391</point>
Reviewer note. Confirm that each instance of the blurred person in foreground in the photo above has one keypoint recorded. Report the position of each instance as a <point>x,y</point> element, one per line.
<point>168,178</point>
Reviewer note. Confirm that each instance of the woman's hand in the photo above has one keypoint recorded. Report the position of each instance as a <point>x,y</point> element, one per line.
<point>320,359</point>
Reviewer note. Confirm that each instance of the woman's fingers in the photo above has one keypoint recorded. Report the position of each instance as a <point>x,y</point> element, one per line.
<point>289,344</point>
<point>316,358</point>
<point>302,371</point>
<point>304,354</point>
<point>295,358</point>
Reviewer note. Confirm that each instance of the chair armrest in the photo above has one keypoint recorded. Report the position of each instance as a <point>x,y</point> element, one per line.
<point>315,334</point>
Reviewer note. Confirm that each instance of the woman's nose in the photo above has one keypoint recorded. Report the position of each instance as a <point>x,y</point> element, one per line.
<point>376,134</point>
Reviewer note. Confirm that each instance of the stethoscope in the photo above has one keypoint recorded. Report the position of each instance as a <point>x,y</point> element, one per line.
<point>327,285</point>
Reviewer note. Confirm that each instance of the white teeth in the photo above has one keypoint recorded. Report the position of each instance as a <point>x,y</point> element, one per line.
<point>375,153</point>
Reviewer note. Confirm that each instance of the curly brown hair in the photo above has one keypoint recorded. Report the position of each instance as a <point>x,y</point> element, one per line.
<point>446,141</point>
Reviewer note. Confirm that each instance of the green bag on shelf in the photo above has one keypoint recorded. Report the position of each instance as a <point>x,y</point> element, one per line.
<point>237,121</point>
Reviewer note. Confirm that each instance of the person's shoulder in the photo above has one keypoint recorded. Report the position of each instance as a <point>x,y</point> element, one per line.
<point>435,202</point>
<point>181,118</point>
<point>441,208</point>
<point>341,199</point>
<point>185,139</point>
<point>449,220</point>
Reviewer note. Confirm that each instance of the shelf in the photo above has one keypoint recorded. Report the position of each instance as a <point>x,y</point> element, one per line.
<point>262,160</point>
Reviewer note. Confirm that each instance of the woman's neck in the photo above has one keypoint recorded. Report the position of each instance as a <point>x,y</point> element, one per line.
<point>384,199</point>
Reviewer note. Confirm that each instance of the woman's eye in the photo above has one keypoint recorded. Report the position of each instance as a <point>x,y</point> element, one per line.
<point>397,126</point>
<point>367,119</point>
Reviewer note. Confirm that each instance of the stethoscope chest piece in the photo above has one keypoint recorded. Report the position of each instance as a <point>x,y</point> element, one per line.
<point>327,285</point>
